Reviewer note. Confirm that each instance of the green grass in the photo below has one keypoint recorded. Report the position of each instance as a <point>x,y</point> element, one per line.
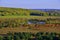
<point>28,17</point>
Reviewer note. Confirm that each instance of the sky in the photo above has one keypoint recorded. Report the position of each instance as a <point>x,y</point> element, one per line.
<point>31,4</point>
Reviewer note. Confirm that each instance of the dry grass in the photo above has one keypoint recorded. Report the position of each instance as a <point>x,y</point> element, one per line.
<point>33,30</point>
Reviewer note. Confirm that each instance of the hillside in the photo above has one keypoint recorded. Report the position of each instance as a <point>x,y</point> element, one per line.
<point>29,24</point>
<point>16,11</point>
<point>4,11</point>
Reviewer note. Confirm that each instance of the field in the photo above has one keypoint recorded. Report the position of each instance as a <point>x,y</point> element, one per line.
<point>15,20</point>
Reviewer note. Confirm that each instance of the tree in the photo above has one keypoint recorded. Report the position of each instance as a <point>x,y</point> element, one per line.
<point>1,37</point>
<point>16,37</point>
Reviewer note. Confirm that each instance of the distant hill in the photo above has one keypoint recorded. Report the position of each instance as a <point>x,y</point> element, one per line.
<point>46,10</point>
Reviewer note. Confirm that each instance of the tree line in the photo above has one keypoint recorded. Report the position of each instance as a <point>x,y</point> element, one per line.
<point>31,36</point>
